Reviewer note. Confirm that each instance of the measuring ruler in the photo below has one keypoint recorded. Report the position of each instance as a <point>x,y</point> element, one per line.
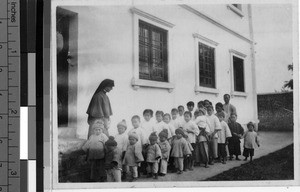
<point>9,95</point>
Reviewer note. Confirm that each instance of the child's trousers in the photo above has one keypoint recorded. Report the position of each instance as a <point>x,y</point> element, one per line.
<point>114,175</point>
<point>163,166</point>
<point>132,171</point>
<point>213,148</point>
<point>152,167</point>
<point>179,163</point>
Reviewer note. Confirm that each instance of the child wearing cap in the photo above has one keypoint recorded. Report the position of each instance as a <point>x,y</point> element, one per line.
<point>214,126</point>
<point>223,136</point>
<point>180,150</point>
<point>165,151</point>
<point>250,142</point>
<point>201,149</point>
<point>237,133</point>
<point>95,149</point>
<point>133,157</point>
<point>192,131</point>
<point>153,156</point>
<point>122,140</point>
<point>113,161</point>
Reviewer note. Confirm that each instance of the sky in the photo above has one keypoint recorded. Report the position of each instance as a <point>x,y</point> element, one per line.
<point>272,26</point>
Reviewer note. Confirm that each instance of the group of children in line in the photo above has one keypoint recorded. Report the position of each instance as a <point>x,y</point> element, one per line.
<point>176,142</point>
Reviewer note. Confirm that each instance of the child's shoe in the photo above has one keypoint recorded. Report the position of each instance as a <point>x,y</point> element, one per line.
<point>162,174</point>
<point>237,158</point>
<point>179,172</point>
<point>155,176</point>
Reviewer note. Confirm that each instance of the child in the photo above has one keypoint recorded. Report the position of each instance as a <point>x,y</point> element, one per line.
<point>94,147</point>
<point>214,126</point>
<point>220,109</point>
<point>201,150</point>
<point>237,132</point>
<point>160,124</point>
<point>153,156</point>
<point>122,141</point>
<point>147,125</point>
<point>190,106</point>
<point>192,131</point>
<point>180,150</point>
<point>133,157</point>
<point>135,120</point>
<point>250,142</point>
<point>171,128</point>
<point>165,151</point>
<point>113,161</point>
<point>174,121</point>
<point>223,136</point>
<point>180,117</point>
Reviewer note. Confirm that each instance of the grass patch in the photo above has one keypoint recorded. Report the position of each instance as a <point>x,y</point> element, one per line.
<point>278,165</point>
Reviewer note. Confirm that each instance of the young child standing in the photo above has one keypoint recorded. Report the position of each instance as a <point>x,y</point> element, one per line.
<point>153,156</point>
<point>133,157</point>
<point>201,150</point>
<point>113,161</point>
<point>171,128</point>
<point>192,131</point>
<point>160,124</point>
<point>180,150</point>
<point>223,136</point>
<point>220,109</point>
<point>180,117</point>
<point>214,126</point>
<point>237,132</point>
<point>174,121</point>
<point>190,106</point>
<point>136,122</point>
<point>250,142</point>
<point>165,151</point>
<point>147,125</point>
<point>122,141</point>
<point>95,148</point>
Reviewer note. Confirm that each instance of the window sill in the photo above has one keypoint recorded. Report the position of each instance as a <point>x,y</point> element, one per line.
<point>137,83</point>
<point>235,10</point>
<point>239,94</point>
<point>199,90</point>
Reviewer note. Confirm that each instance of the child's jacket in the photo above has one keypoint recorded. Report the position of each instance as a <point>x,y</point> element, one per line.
<point>133,155</point>
<point>153,153</point>
<point>251,140</point>
<point>180,148</point>
<point>165,148</point>
<point>224,133</point>
<point>113,155</point>
<point>95,146</point>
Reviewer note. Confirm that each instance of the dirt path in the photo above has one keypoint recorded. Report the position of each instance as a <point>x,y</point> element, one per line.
<point>269,141</point>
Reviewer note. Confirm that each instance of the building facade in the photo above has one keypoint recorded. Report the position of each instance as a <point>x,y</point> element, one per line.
<point>160,56</point>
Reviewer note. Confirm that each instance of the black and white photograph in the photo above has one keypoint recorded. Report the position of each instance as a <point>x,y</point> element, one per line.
<point>173,93</point>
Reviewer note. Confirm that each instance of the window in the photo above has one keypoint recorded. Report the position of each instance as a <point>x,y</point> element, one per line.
<point>238,74</point>
<point>206,65</point>
<point>153,58</point>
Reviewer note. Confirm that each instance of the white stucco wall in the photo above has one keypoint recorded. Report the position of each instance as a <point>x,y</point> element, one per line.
<point>105,50</point>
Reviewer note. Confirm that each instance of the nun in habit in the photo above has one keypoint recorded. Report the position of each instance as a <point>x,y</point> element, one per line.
<point>99,107</point>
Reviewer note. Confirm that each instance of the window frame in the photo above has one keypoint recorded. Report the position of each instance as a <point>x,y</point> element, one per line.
<point>208,42</point>
<point>236,10</point>
<point>234,53</point>
<point>136,82</point>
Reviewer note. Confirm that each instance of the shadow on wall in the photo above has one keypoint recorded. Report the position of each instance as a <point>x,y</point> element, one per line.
<point>275,112</point>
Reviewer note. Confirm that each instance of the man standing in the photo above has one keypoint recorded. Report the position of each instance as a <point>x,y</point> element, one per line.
<point>228,108</point>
